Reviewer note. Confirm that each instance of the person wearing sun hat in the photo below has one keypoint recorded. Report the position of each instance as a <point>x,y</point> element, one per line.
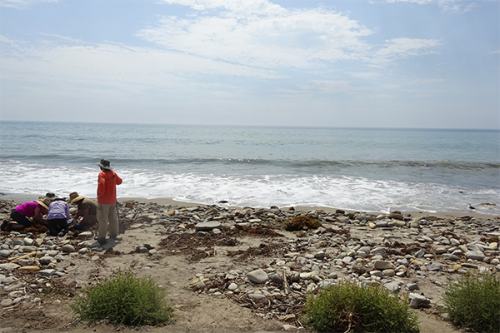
<point>22,214</point>
<point>86,208</point>
<point>106,201</point>
<point>57,217</point>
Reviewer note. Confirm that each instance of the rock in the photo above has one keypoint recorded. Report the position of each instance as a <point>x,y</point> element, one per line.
<point>68,248</point>
<point>85,235</point>
<point>258,276</point>
<point>5,253</point>
<point>9,266</point>
<point>388,272</point>
<point>418,301</point>
<point>475,255</point>
<point>493,246</point>
<point>392,287</point>
<point>84,250</point>
<point>276,278</point>
<point>207,226</point>
<point>45,260</point>
<point>47,272</point>
<point>233,286</point>
<point>28,249</point>
<point>379,264</point>
<point>31,269</point>
<point>412,286</point>
<point>6,302</point>
<point>434,267</point>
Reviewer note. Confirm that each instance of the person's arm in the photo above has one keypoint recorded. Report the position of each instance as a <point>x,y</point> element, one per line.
<point>118,179</point>
<point>101,186</point>
<point>67,212</point>
<point>38,217</point>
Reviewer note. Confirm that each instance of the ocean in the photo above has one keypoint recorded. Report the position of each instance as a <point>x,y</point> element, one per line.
<point>377,170</point>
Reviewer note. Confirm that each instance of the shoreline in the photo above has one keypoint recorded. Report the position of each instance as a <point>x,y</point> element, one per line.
<point>20,198</point>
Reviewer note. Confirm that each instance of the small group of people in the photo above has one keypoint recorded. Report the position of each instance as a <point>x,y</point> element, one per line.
<point>56,209</point>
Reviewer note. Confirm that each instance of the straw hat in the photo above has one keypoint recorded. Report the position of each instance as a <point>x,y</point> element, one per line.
<point>104,164</point>
<point>74,197</point>
<point>44,202</point>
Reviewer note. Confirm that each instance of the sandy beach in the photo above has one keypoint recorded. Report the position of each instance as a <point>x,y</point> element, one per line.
<point>180,245</point>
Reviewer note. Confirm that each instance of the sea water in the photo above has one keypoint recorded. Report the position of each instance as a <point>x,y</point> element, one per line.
<point>360,169</point>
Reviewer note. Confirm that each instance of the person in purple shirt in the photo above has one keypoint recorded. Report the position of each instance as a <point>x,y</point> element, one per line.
<point>57,217</point>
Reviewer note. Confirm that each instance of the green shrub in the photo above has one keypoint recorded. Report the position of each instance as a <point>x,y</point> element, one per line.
<point>124,299</point>
<point>350,307</point>
<point>301,222</point>
<point>473,301</point>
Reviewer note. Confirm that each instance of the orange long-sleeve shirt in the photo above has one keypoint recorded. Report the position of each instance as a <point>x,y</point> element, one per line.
<point>106,187</point>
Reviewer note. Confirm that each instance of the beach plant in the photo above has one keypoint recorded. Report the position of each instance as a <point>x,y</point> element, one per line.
<point>124,299</point>
<point>301,222</point>
<point>473,301</point>
<point>353,307</point>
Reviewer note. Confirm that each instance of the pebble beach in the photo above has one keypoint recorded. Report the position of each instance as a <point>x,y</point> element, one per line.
<point>243,256</point>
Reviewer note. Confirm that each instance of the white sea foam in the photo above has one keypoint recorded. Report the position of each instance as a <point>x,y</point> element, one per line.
<point>355,193</point>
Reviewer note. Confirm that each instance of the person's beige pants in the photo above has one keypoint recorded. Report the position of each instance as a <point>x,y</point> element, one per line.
<point>106,214</point>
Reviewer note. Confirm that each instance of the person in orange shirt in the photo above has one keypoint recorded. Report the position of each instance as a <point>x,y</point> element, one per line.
<point>106,201</point>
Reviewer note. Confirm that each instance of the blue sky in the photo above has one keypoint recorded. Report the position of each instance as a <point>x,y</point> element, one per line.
<point>346,63</point>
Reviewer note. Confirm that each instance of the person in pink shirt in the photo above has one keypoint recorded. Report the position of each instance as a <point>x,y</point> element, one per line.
<point>21,214</point>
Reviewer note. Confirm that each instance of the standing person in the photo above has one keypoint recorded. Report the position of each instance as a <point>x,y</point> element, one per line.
<point>22,214</point>
<point>86,208</point>
<point>57,217</point>
<point>106,201</point>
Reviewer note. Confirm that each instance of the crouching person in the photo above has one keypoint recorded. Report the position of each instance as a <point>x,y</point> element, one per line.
<point>58,217</point>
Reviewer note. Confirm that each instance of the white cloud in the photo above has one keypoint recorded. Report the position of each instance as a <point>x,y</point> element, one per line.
<point>260,34</point>
<point>328,86</point>
<point>454,6</point>
<point>365,75</point>
<point>402,48</point>
<point>110,65</point>
<point>20,4</point>
<point>427,81</point>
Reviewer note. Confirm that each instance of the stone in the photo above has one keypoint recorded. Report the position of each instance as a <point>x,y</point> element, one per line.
<point>233,286</point>
<point>45,260</point>
<point>208,226</point>
<point>392,287</point>
<point>413,286</point>
<point>418,301</point>
<point>379,264</point>
<point>83,250</point>
<point>475,255</point>
<point>258,276</point>
<point>5,253</point>
<point>47,272</point>
<point>68,248</point>
<point>388,272</point>
<point>85,235</point>
<point>493,246</point>
<point>276,278</point>
<point>6,302</point>
<point>434,267</point>
<point>456,267</point>
<point>9,266</point>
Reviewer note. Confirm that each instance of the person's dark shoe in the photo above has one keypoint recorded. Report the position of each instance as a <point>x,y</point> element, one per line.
<point>102,241</point>
<point>4,225</point>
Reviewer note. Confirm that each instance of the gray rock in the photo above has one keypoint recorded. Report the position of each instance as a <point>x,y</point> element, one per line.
<point>379,264</point>
<point>47,272</point>
<point>207,226</point>
<point>434,267</point>
<point>45,260</point>
<point>257,297</point>
<point>85,235</point>
<point>418,301</point>
<point>9,266</point>
<point>6,302</point>
<point>258,276</point>
<point>275,278</point>
<point>233,286</point>
<point>5,253</point>
<point>28,249</point>
<point>392,287</point>
<point>475,255</point>
<point>413,286</point>
<point>68,248</point>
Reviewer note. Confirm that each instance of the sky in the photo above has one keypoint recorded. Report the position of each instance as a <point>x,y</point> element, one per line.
<point>330,63</point>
